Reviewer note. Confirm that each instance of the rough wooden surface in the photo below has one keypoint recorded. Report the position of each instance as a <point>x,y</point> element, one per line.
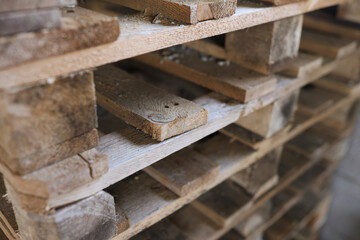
<point>278,2</point>
<point>154,111</point>
<point>32,190</point>
<point>326,45</point>
<point>216,74</point>
<point>253,178</point>
<point>92,218</point>
<point>29,21</point>
<point>17,5</point>
<point>272,118</point>
<point>46,122</point>
<point>80,29</point>
<point>137,30</point>
<point>8,225</point>
<point>302,65</point>
<point>188,11</point>
<point>350,11</point>
<point>224,202</point>
<point>260,47</point>
<point>338,84</point>
<point>349,69</point>
<point>184,171</point>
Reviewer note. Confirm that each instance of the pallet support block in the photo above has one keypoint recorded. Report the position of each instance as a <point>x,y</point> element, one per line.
<point>43,123</point>
<point>262,47</point>
<point>350,11</point>
<point>272,118</point>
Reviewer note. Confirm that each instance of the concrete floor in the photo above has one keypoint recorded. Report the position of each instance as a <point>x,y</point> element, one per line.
<point>343,221</point>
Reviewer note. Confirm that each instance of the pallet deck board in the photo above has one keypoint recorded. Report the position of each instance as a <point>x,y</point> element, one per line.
<point>134,30</point>
<point>150,109</point>
<point>188,11</point>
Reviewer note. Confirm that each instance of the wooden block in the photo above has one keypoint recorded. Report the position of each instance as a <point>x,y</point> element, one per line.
<point>350,11</point>
<point>308,145</point>
<point>303,65</point>
<point>188,11</point>
<point>163,230</point>
<point>184,171</point>
<point>48,121</point>
<point>29,21</point>
<point>344,118</point>
<point>278,2</point>
<point>348,68</point>
<point>223,203</point>
<point>261,47</point>
<point>272,118</point>
<point>218,75</point>
<point>145,107</point>
<point>254,220</point>
<point>91,218</point>
<point>18,5</point>
<point>261,176</point>
<point>33,190</point>
<point>290,161</point>
<point>326,45</point>
<point>80,29</point>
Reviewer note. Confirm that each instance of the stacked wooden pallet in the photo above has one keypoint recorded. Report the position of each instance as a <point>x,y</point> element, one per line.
<point>228,134</point>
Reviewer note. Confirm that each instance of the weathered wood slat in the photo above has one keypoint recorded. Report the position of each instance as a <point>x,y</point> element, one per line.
<point>326,45</point>
<point>47,122</point>
<point>79,30</point>
<point>18,5</point>
<point>262,48</point>
<point>138,30</point>
<point>184,171</point>
<point>188,11</point>
<point>154,111</point>
<point>218,75</point>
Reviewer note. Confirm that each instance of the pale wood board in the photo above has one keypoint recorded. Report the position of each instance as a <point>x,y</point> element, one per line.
<point>135,30</point>
<point>262,48</point>
<point>46,122</point>
<point>188,11</point>
<point>302,65</point>
<point>150,109</point>
<point>130,151</point>
<point>79,29</point>
<point>184,171</point>
<point>218,75</point>
<point>326,45</point>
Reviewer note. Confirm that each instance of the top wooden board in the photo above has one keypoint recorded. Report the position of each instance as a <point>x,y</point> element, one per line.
<point>188,11</point>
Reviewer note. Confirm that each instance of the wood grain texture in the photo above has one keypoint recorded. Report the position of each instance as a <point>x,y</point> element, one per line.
<point>91,218</point>
<point>302,65</point>
<point>29,21</point>
<point>254,178</point>
<point>188,11</point>
<point>8,225</point>
<point>80,29</point>
<point>218,75</point>
<point>46,122</point>
<point>184,171</point>
<point>18,5</point>
<point>350,11</point>
<point>326,45</point>
<point>272,118</point>
<point>223,203</point>
<point>154,111</point>
<point>263,46</point>
<point>137,30</point>
<point>32,190</point>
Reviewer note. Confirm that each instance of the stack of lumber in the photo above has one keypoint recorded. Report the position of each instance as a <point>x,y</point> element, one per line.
<point>229,137</point>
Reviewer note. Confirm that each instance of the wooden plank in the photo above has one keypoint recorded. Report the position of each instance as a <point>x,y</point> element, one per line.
<point>349,11</point>
<point>218,75</point>
<point>47,122</point>
<point>272,118</point>
<point>326,45</point>
<point>188,11</point>
<point>18,5</point>
<point>302,65</point>
<point>98,211</point>
<point>261,176</point>
<point>278,2</point>
<point>338,84</point>
<point>184,171</point>
<point>75,23</point>
<point>223,203</point>
<point>258,48</point>
<point>327,23</point>
<point>137,30</point>
<point>32,190</point>
<point>29,21</point>
<point>154,111</point>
